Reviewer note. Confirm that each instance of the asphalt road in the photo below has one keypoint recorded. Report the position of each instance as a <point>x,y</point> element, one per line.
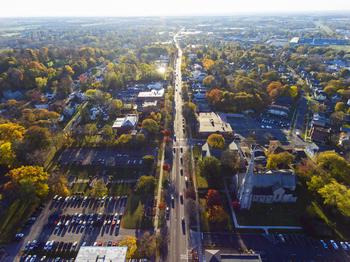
<point>178,230</point>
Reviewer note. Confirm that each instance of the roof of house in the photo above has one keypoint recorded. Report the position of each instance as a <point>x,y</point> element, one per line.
<point>320,134</point>
<point>209,151</point>
<point>149,104</point>
<point>233,146</point>
<point>127,121</point>
<point>285,178</point>
<point>152,93</point>
<point>212,123</point>
<point>93,253</point>
<point>275,147</point>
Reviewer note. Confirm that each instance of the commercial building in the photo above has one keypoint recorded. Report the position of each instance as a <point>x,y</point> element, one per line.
<point>213,255</point>
<point>210,123</point>
<point>150,96</point>
<point>101,254</point>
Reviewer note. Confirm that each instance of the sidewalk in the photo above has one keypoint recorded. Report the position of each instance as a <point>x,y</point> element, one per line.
<point>159,192</point>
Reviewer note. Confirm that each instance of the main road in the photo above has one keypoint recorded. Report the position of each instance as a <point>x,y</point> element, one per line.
<point>178,225</point>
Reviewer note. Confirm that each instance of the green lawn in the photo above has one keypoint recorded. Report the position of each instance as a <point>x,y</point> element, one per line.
<point>79,188</point>
<point>202,182</point>
<point>278,214</point>
<point>270,215</point>
<point>11,219</point>
<point>134,215</point>
<point>120,189</point>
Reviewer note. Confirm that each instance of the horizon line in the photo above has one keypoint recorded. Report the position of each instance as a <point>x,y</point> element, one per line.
<point>241,13</point>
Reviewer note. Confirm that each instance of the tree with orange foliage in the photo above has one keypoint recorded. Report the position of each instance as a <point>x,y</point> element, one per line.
<point>214,96</point>
<point>207,63</point>
<point>274,89</point>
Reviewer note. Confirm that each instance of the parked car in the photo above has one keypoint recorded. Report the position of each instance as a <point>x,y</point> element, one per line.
<point>324,244</point>
<point>334,244</point>
<point>19,236</point>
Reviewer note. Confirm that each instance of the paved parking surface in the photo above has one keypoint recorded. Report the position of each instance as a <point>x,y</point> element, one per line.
<point>295,247</point>
<point>104,157</point>
<point>71,222</point>
<point>264,128</point>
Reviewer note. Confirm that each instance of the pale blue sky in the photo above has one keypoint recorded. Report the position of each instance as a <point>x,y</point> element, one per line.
<point>162,7</point>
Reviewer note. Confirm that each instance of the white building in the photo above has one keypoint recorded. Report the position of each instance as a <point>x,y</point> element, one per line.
<point>101,254</point>
<point>151,95</point>
<point>209,123</point>
<point>274,186</point>
<point>126,123</point>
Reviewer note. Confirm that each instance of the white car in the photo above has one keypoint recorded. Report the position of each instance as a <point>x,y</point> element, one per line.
<point>324,244</point>
<point>344,246</point>
<point>334,245</point>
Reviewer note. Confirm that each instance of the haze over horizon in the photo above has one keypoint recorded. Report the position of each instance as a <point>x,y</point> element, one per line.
<point>41,8</point>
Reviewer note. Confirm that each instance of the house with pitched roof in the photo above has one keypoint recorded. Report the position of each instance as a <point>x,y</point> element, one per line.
<point>126,124</point>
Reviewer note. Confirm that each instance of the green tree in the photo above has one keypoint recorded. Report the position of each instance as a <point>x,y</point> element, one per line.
<point>37,137</point>
<point>148,162</point>
<point>335,165</point>
<point>145,185</point>
<point>150,126</point>
<point>230,162</point>
<point>210,167</point>
<point>147,245</point>
<point>99,189</point>
<point>58,185</point>
<point>337,195</point>
<point>108,133</point>
<point>281,160</point>
<point>217,215</point>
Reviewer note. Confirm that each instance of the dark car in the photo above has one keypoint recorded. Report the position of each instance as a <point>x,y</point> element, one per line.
<point>183,224</point>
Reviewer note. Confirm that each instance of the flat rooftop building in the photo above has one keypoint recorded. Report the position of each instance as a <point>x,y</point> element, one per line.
<point>126,123</point>
<point>152,94</point>
<point>209,123</point>
<point>101,254</point>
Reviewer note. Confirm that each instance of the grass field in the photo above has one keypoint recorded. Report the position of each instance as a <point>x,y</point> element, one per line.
<point>120,189</point>
<point>134,217</point>
<point>12,219</point>
<point>79,188</point>
<point>270,215</point>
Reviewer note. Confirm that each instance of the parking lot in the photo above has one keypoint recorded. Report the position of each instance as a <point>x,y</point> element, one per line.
<point>262,128</point>
<point>77,221</point>
<point>281,247</point>
<point>104,157</point>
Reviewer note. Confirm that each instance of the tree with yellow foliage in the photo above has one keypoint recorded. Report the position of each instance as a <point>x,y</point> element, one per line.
<point>30,181</point>
<point>7,156</point>
<point>131,243</point>
<point>11,132</point>
<point>207,63</point>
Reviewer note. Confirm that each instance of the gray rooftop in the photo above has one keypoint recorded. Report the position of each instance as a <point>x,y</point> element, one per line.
<point>101,254</point>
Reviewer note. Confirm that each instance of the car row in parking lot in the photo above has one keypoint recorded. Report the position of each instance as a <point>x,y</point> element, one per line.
<point>295,239</point>
<point>34,258</point>
<point>79,222</point>
<point>269,123</point>
<point>51,250</point>
<point>77,201</point>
